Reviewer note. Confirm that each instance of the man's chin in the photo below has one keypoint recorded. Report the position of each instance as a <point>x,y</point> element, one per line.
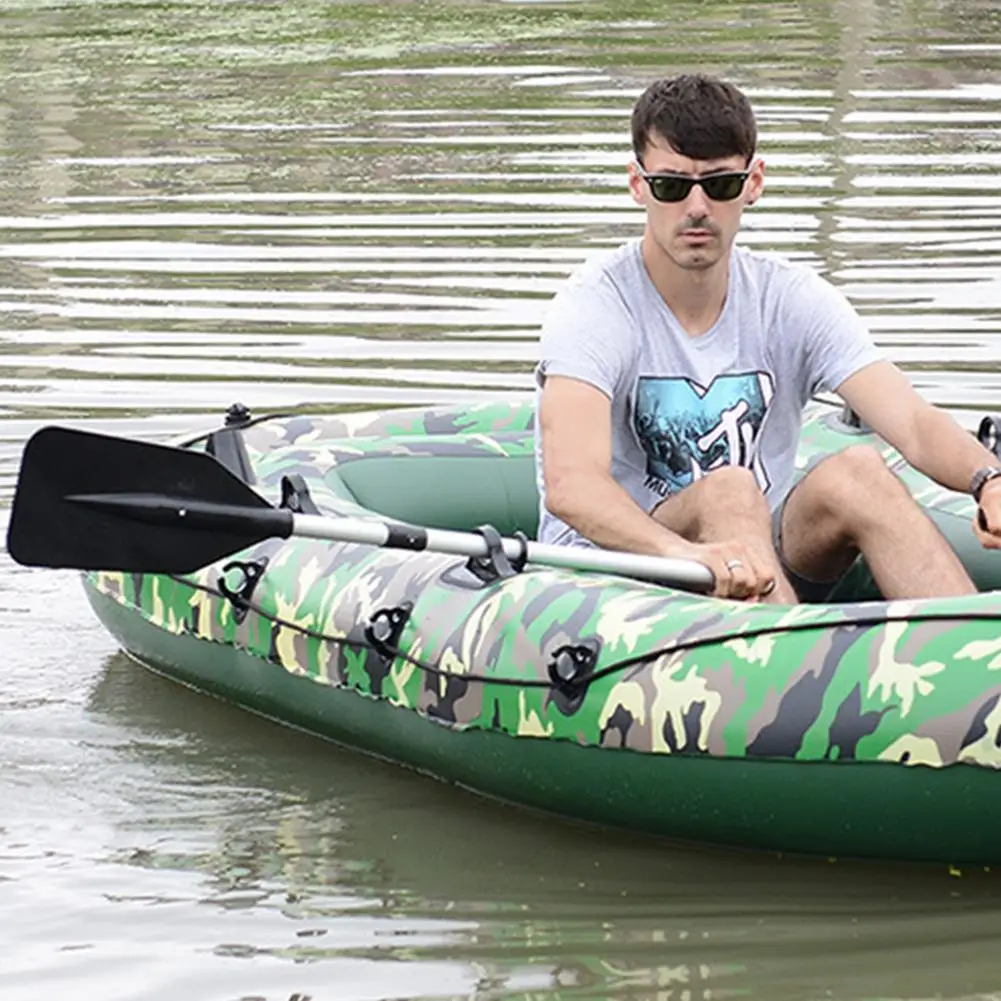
<point>697,258</point>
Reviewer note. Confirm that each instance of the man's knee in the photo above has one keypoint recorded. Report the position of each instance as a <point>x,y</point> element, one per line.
<point>726,496</point>
<point>847,481</point>
<point>850,494</point>
<point>858,461</point>
<point>733,486</point>
<point>731,494</point>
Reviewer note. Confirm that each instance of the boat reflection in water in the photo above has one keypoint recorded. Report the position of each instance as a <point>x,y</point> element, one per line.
<point>332,855</point>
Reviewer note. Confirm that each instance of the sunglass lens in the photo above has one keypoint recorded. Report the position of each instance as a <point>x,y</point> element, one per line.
<point>725,187</point>
<point>670,189</point>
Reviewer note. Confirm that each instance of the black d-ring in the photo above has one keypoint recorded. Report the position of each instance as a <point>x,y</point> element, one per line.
<point>569,669</point>
<point>239,597</point>
<point>385,627</point>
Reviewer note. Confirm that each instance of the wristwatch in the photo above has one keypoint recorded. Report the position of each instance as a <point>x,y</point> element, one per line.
<point>981,478</point>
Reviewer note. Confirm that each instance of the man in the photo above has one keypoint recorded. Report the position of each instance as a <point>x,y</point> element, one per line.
<point>673,375</point>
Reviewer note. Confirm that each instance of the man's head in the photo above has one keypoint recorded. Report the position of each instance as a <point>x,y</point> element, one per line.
<point>686,127</point>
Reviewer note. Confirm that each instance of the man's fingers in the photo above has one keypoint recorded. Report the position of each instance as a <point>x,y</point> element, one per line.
<point>989,532</point>
<point>740,579</point>
<point>739,575</point>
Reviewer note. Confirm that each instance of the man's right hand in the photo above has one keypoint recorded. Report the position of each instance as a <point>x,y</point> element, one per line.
<point>739,573</point>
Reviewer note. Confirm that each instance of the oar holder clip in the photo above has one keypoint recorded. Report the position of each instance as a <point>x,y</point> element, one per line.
<point>496,564</point>
<point>296,497</point>
<point>989,434</point>
<point>228,447</point>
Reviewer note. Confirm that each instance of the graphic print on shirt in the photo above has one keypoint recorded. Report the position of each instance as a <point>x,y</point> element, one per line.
<point>687,430</point>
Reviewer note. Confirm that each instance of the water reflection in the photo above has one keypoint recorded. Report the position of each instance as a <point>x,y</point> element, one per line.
<point>366,860</point>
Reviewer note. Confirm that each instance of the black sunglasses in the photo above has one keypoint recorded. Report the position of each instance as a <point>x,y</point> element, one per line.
<point>722,187</point>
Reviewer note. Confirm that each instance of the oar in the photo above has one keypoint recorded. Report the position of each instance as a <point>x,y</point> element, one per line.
<point>95,502</point>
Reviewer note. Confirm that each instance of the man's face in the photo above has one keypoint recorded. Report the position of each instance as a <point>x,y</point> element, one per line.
<point>696,232</point>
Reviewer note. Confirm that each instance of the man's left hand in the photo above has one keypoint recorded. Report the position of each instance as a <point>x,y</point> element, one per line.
<point>987,523</point>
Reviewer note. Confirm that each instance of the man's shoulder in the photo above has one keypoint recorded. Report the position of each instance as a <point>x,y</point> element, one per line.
<point>779,284</point>
<point>613,266</point>
<point>792,295</point>
<point>603,284</point>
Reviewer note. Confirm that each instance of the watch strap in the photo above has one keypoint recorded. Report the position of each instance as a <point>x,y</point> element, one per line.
<point>981,478</point>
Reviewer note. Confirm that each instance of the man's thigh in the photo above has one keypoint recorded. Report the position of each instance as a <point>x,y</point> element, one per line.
<point>813,552</point>
<point>679,512</point>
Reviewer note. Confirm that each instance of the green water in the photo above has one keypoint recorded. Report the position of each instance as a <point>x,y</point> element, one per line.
<point>329,206</point>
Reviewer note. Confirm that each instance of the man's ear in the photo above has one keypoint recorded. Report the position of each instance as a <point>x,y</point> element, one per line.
<point>755,182</point>
<point>636,184</point>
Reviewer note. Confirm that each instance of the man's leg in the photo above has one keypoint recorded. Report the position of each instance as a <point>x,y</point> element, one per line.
<point>850,503</point>
<point>727,506</point>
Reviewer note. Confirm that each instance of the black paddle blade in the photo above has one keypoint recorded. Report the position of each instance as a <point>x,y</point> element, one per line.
<point>94,502</point>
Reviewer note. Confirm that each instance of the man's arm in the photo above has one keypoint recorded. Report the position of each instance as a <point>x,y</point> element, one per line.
<point>575,421</point>
<point>927,437</point>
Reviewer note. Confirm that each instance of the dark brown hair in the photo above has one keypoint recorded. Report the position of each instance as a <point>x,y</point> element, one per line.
<point>699,116</point>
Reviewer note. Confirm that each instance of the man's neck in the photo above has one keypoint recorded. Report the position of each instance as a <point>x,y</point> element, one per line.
<point>696,298</point>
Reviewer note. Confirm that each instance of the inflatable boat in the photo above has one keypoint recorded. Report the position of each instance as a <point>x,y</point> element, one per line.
<point>372,578</point>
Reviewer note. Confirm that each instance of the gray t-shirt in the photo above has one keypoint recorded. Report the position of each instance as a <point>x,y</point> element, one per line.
<point>682,405</point>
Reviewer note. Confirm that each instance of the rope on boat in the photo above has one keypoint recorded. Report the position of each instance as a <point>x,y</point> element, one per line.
<point>573,685</point>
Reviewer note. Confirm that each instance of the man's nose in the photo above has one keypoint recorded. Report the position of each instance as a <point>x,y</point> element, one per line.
<point>697,203</point>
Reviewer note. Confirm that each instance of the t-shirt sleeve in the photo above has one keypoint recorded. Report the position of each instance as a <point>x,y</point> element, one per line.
<point>833,340</point>
<point>587,334</point>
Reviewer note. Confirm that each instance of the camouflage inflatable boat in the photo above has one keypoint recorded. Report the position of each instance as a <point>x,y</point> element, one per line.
<point>858,728</point>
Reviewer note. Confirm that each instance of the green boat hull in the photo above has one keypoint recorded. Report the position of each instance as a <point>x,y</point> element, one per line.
<point>860,728</point>
<point>865,810</point>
